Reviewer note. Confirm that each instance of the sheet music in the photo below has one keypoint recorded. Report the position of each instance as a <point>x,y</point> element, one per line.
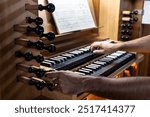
<point>146,15</point>
<point>72,15</point>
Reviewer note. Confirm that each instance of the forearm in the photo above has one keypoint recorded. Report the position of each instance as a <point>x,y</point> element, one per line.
<point>119,88</point>
<point>137,45</point>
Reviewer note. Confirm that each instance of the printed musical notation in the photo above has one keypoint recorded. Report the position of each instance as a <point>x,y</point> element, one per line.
<point>72,15</point>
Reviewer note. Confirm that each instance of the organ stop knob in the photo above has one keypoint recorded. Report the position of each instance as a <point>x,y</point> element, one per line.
<point>38,45</point>
<point>37,21</point>
<point>39,30</point>
<point>50,36</point>
<point>32,69</point>
<point>50,7</point>
<point>38,83</point>
<point>29,56</point>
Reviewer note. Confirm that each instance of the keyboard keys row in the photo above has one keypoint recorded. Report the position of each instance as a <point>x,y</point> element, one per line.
<point>107,64</point>
<point>70,59</point>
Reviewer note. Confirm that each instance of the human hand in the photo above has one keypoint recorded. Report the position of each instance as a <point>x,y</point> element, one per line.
<point>67,82</point>
<point>104,47</point>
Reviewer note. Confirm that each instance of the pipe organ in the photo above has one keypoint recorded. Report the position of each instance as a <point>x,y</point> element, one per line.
<point>30,46</point>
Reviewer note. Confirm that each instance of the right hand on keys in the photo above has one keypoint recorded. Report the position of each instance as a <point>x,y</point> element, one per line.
<point>104,47</point>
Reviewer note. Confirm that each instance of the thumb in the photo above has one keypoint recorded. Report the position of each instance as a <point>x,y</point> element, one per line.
<point>98,51</point>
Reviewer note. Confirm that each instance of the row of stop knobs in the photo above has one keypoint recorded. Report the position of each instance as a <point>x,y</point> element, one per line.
<point>34,29</point>
<point>128,19</point>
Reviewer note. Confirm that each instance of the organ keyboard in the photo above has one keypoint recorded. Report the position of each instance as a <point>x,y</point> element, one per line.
<point>85,62</point>
<point>106,65</point>
<point>71,59</point>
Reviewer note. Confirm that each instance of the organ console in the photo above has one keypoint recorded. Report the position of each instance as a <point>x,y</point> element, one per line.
<point>39,45</point>
<point>29,56</point>
<point>38,30</point>
<point>50,7</point>
<point>73,50</point>
<point>38,83</point>
<point>37,21</point>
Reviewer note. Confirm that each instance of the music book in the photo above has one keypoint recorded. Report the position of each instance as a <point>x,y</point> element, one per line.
<point>72,15</point>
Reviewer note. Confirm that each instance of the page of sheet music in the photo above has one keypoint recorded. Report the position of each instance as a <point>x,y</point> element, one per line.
<point>146,15</point>
<point>72,15</point>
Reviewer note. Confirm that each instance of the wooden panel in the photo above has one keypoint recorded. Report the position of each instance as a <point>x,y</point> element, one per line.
<point>131,5</point>
<point>109,17</point>
<point>12,12</point>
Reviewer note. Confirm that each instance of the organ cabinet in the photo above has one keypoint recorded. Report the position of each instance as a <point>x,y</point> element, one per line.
<point>30,45</point>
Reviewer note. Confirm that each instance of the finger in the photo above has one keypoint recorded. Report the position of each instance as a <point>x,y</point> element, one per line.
<point>52,74</point>
<point>96,46</point>
<point>99,51</point>
<point>56,84</point>
<point>93,46</point>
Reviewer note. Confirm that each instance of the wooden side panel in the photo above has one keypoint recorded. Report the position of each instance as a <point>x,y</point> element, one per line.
<point>109,18</point>
<point>12,12</point>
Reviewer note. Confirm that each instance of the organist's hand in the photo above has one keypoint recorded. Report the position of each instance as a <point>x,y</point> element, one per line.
<point>67,82</point>
<point>104,47</point>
